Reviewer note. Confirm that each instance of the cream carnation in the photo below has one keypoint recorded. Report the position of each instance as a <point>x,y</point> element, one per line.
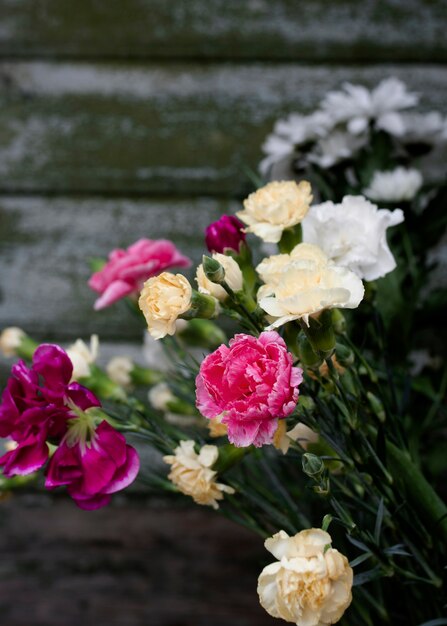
<point>310,583</point>
<point>275,207</point>
<point>305,285</point>
<point>233,278</point>
<point>10,340</point>
<point>119,369</point>
<point>162,300</point>
<point>397,185</point>
<point>82,356</point>
<point>160,395</point>
<point>353,235</point>
<point>300,433</point>
<point>192,473</point>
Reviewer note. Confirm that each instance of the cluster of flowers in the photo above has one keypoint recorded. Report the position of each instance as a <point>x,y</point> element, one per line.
<point>245,389</point>
<point>41,408</point>
<point>345,128</point>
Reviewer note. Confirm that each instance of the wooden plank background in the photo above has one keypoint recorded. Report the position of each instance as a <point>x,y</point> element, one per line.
<point>119,120</point>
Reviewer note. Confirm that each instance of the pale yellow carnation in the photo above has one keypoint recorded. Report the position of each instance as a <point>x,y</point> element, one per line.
<point>10,340</point>
<point>216,428</point>
<point>310,584</point>
<point>233,278</point>
<point>119,370</point>
<point>305,284</point>
<point>275,207</point>
<point>162,300</point>
<point>192,473</point>
<point>300,433</point>
<point>82,356</point>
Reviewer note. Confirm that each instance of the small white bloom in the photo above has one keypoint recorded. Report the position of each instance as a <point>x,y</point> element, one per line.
<point>337,146</point>
<point>10,340</point>
<point>160,395</point>
<point>357,106</point>
<point>310,584</point>
<point>305,284</point>
<point>162,300</point>
<point>119,369</point>
<point>396,185</point>
<point>353,235</point>
<point>428,128</point>
<point>82,356</point>
<point>275,207</point>
<point>192,473</point>
<point>233,278</point>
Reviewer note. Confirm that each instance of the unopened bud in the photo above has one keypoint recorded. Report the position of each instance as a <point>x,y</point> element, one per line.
<point>313,466</point>
<point>214,271</point>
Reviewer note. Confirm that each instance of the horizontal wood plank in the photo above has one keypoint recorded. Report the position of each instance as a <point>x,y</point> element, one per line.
<point>178,129</point>
<point>135,562</point>
<point>45,245</point>
<point>347,30</point>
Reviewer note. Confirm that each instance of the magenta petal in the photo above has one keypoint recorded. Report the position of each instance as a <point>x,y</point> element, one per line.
<point>54,365</point>
<point>89,503</point>
<point>63,468</point>
<point>115,291</point>
<point>126,474</point>
<point>82,397</point>
<point>28,457</point>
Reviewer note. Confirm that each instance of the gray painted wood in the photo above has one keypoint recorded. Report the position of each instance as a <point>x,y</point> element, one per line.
<point>346,30</point>
<point>135,563</point>
<point>156,129</point>
<point>45,244</point>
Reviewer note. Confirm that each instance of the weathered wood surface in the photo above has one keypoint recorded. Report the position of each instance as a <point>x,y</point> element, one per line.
<point>45,244</point>
<point>346,30</point>
<point>178,129</point>
<point>137,563</point>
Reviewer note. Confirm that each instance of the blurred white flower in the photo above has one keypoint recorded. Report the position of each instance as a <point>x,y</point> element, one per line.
<point>396,185</point>
<point>82,356</point>
<point>310,583</point>
<point>428,128</point>
<point>357,106</point>
<point>119,369</point>
<point>290,133</point>
<point>353,235</point>
<point>192,473</point>
<point>337,146</point>
<point>160,395</point>
<point>10,340</point>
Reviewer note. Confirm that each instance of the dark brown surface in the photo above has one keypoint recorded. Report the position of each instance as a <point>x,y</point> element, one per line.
<point>135,563</point>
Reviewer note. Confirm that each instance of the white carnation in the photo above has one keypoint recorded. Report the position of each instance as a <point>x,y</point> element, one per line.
<point>357,106</point>
<point>82,356</point>
<point>396,185</point>
<point>353,235</point>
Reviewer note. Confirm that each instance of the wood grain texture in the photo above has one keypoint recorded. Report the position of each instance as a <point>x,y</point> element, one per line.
<point>177,129</point>
<point>136,563</point>
<point>347,30</point>
<point>45,244</point>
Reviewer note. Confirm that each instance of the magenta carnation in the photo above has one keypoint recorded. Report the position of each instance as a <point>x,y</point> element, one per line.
<point>127,270</point>
<point>252,383</point>
<point>34,408</point>
<point>225,234</point>
<point>92,470</point>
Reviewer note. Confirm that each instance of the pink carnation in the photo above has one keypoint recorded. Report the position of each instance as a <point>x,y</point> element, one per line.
<point>127,270</point>
<point>252,383</point>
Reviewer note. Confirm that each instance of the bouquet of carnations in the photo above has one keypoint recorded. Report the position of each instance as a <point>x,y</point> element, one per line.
<point>311,425</point>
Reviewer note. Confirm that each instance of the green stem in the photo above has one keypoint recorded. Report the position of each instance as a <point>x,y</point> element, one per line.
<point>418,490</point>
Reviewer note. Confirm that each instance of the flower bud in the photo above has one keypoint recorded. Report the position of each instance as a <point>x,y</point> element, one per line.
<point>313,466</point>
<point>345,356</point>
<point>225,234</point>
<point>214,271</point>
<point>308,356</point>
<point>338,321</point>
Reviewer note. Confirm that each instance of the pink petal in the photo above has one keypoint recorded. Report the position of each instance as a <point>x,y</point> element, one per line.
<point>115,291</point>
